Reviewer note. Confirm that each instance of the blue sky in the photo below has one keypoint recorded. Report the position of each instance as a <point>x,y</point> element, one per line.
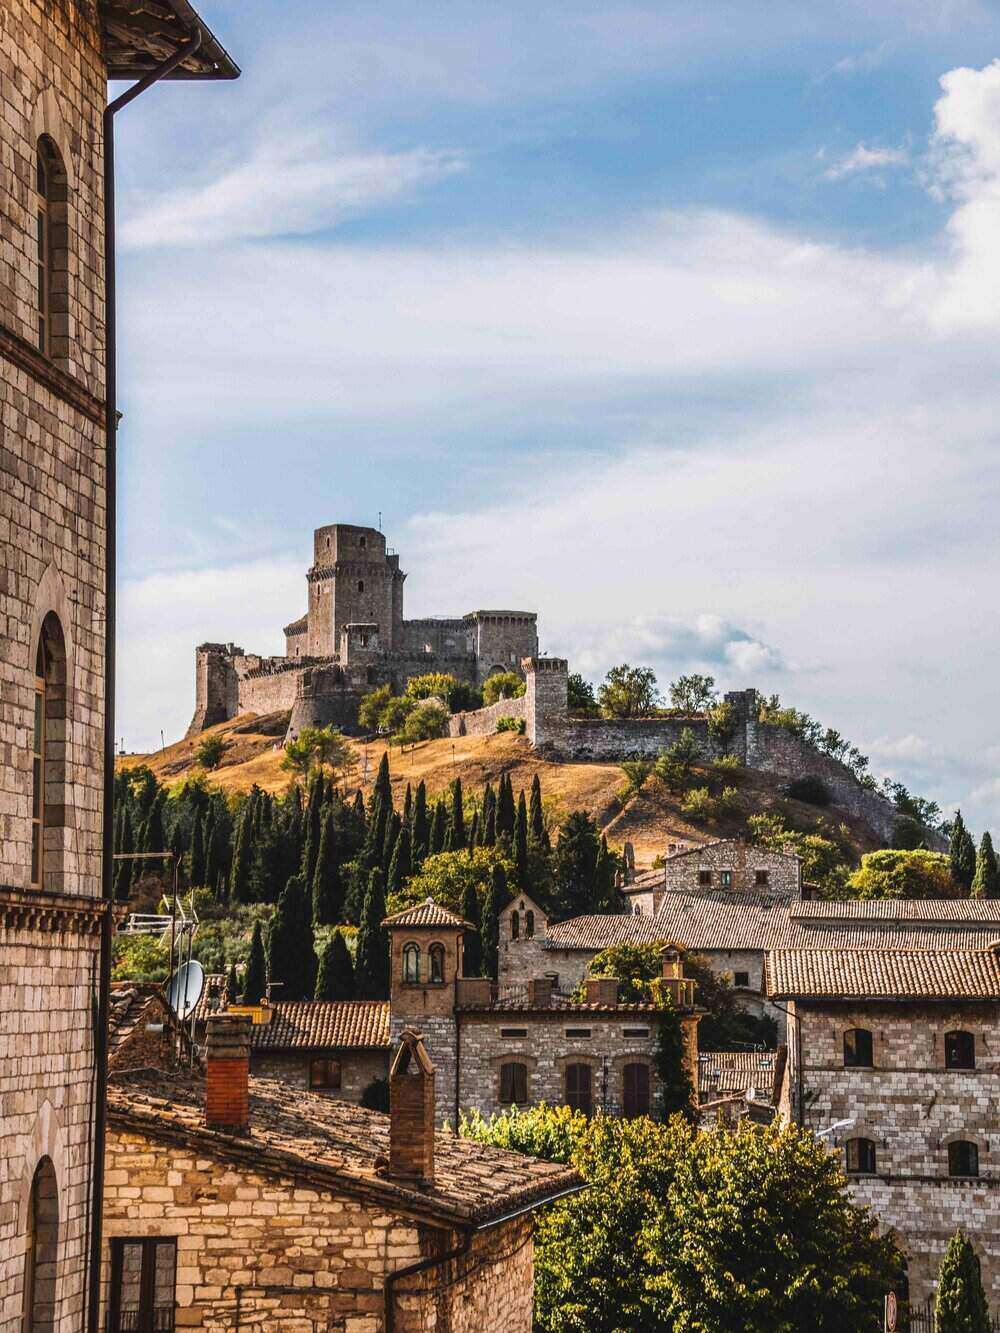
<point>675,323</point>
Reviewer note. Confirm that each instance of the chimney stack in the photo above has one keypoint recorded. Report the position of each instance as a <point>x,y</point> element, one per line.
<point>411,1111</point>
<point>602,990</point>
<point>227,1071</point>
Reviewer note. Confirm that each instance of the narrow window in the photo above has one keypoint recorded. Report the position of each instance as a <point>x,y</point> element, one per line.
<point>635,1032</point>
<point>635,1089</point>
<point>324,1073</point>
<point>514,1083</point>
<point>741,978</point>
<point>143,1283</point>
<point>48,756</point>
<point>579,1089</point>
<point>515,925</point>
<point>411,963</point>
<point>578,1032</point>
<point>529,925</point>
<point>361,585</point>
<point>39,1305</point>
<point>860,1157</point>
<point>959,1050</point>
<point>857,1049</point>
<point>513,1032</point>
<point>363,541</point>
<point>963,1158</point>
<point>704,878</point>
<point>762,878</point>
<point>726,879</point>
<point>43,240</point>
<point>436,953</point>
<point>38,773</point>
<point>51,260</point>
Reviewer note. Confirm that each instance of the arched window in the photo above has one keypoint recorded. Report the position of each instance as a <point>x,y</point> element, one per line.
<point>436,955</point>
<point>361,585</point>
<point>411,963</point>
<point>857,1048</point>
<point>42,1251</point>
<point>48,756</point>
<point>51,237</point>
<point>963,1158</point>
<point>515,925</point>
<point>959,1050</point>
<point>635,1090</point>
<point>529,925</point>
<point>580,1088</point>
<point>860,1157</point>
<point>514,1083</point>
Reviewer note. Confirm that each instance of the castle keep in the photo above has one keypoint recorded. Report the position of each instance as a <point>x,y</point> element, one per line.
<point>352,637</point>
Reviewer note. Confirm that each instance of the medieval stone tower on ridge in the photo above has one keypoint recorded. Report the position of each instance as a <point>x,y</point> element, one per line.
<point>352,637</point>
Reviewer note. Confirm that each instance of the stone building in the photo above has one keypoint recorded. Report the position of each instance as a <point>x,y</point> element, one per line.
<point>504,1045</point>
<point>336,1047</point>
<point>731,864</point>
<point>892,1056</point>
<point>235,1203</point>
<point>352,637</point>
<point>55,62</point>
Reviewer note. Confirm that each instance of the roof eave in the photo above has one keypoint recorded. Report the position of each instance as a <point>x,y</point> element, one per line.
<point>211,52</point>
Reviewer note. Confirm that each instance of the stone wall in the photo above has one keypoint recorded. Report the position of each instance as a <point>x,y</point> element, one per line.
<point>235,1226</point>
<point>483,721</point>
<point>911,1107</point>
<point>742,861</point>
<point>357,1069</point>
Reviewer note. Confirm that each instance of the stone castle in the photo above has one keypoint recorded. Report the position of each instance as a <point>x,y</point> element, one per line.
<point>353,637</point>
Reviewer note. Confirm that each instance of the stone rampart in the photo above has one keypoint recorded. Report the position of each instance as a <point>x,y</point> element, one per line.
<point>483,721</point>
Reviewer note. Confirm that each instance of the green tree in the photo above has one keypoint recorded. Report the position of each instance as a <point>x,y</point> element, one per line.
<point>675,765</point>
<point>502,685</point>
<point>291,953</point>
<point>488,836</point>
<point>457,816</point>
<point>536,815</point>
<point>575,889</point>
<point>962,854</point>
<point>636,773</point>
<point>323,748</point>
<point>210,751</point>
<point>506,810</point>
<point>693,694</point>
<point>371,967</point>
<point>420,840</point>
<point>580,695</point>
<point>426,723</point>
<point>960,1306</point>
<point>327,886</point>
<point>372,707</point>
<point>986,881</point>
<point>335,980</point>
<point>521,842</point>
<point>902,874</point>
<point>196,854</point>
<point>255,978</point>
<point>401,865</point>
<point>447,876</point>
<point>239,879</point>
<point>628,691</point>
<point>472,953</point>
<point>496,901</point>
<point>123,869</point>
<point>676,1089</point>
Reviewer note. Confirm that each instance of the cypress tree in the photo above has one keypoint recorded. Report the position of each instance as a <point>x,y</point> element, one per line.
<point>496,901</point>
<point>391,834</point>
<point>232,984</point>
<point>208,849</point>
<point>255,978</point>
<point>153,837</point>
<point>123,869</point>
<point>383,783</point>
<point>313,827</point>
<point>489,817</point>
<point>473,951</point>
<point>575,890</point>
<point>177,849</point>
<point>962,853</point>
<point>408,807</point>
<point>604,879</point>
<point>474,831</point>
<point>196,856</point>
<point>400,867</point>
<point>291,953</point>
<point>439,829</point>
<point>457,816</point>
<point>335,980</point>
<point>358,808</point>
<point>327,887</point>
<point>506,814</point>
<point>537,831</point>
<point>421,835</point>
<point>239,876</point>
<point>371,969</point>
<point>521,841</point>
<point>960,1306</point>
<point>986,881</point>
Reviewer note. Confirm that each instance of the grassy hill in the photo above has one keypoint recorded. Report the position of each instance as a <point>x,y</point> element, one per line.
<point>649,821</point>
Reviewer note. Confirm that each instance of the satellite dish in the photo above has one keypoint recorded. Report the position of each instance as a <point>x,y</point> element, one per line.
<point>185,989</point>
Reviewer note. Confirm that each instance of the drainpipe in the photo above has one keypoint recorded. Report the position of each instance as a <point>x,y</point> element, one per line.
<point>110,574</point>
<point>421,1266</point>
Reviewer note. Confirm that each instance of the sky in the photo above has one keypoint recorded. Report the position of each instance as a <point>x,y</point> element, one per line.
<point>677,324</point>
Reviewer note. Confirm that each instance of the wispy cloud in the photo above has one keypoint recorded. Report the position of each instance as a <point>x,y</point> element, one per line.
<point>864,62</point>
<point>865,159</point>
<point>288,186</point>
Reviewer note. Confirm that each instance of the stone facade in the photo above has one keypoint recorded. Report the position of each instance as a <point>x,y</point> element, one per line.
<point>483,721</point>
<point>352,637</point>
<point>357,1069</point>
<point>730,864</point>
<point>910,1106</point>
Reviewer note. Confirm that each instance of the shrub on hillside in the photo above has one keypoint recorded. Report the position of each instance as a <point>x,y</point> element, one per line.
<point>426,723</point>
<point>210,751</point>
<point>515,724</point>
<point>502,685</point>
<point>698,805</point>
<point>903,874</point>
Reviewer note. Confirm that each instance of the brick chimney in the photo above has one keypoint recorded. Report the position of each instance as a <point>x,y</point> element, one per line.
<point>602,990</point>
<point>411,1111</point>
<point>227,1070</point>
<point>540,992</point>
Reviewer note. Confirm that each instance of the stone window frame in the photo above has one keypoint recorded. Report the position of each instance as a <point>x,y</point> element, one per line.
<point>51,620</point>
<point>515,924</point>
<point>953,1141</point>
<point>872,1143</point>
<point>858,1064</point>
<point>966,1135</point>
<point>636,1057</point>
<point>573,1061</point>
<point>508,1061</point>
<point>745,983</point>
<point>761,878</point>
<point>410,975</point>
<point>636,1062</point>
<point>47,124</point>
<point>436,953</point>
<point>150,1245</point>
<point>974,1040</point>
<point>704,878</point>
<point>40,1289</point>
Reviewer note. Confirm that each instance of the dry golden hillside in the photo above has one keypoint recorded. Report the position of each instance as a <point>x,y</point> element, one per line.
<point>650,821</point>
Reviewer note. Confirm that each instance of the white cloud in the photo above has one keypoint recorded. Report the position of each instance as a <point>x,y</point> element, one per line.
<point>865,159</point>
<point>289,186</point>
<point>865,62</point>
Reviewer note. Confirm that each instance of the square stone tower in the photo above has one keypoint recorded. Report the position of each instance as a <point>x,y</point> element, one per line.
<point>354,580</point>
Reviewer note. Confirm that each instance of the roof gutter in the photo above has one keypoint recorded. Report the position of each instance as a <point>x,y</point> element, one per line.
<point>96,1185</point>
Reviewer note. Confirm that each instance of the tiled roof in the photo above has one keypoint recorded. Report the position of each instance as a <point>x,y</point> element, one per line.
<point>724,842</point>
<point>336,1144</point>
<point>888,974</point>
<point>722,1072</point>
<point>427,913</point>
<point>137,38</point>
<point>561,1004</point>
<point>213,997</point>
<point>128,1002</point>
<point>985,910</point>
<point>326,1024</point>
<point>298,626</point>
<point>737,921</point>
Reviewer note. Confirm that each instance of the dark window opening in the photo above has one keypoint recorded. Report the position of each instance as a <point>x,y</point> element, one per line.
<point>963,1158</point>
<point>143,1285</point>
<point>578,1032</point>
<point>580,1088</point>
<point>529,925</point>
<point>513,1032</point>
<point>515,925</point>
<point>704,878</point>
<point>635,1032</point>
<point>761,878</point>
<point>741,978</point>
<point>48,756</point>
<point>959,1050</point>
<point>858,1049</point>
<point>361,585</point>
<point>362,541</point>
<point>436,955</point>
<point>635,1090</point>
<point>860,1155</point>
<point>41,1259</point>
<point>324,1073</point>
<point>514,1083</point>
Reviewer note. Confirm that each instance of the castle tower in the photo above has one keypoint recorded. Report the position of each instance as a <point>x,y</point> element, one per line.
<point>425,963</point>
<point>546,698</point>
<point>354,580</point>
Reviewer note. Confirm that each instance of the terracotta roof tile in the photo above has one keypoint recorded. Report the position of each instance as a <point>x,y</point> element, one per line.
<point>722,1072</point>
<point>336,1143</point>
<point>959,910</point>
<point>323,1024</point>
<point>890,974</point>
<point>427,913</point>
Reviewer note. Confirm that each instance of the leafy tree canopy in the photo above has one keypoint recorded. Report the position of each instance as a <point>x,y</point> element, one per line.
<point>447,876</point>
<point>323,748</point>
<point>629,691</point>
<point>502,685</point>
<point>580,695</point>
<point>960,1306</point>
<point>425,723</point>
<point>902,874</point>
<point>693,694</point>
<point>457,694</point>
<point>210,751</point>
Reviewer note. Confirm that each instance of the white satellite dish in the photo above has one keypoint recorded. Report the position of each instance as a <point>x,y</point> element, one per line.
<point>185,989</point>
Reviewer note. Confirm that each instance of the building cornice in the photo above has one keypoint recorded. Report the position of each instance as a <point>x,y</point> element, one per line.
<point>34,909</point>
<point>17,350</point>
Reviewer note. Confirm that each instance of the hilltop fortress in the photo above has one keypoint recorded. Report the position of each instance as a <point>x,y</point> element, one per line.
<point>352,637</point>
